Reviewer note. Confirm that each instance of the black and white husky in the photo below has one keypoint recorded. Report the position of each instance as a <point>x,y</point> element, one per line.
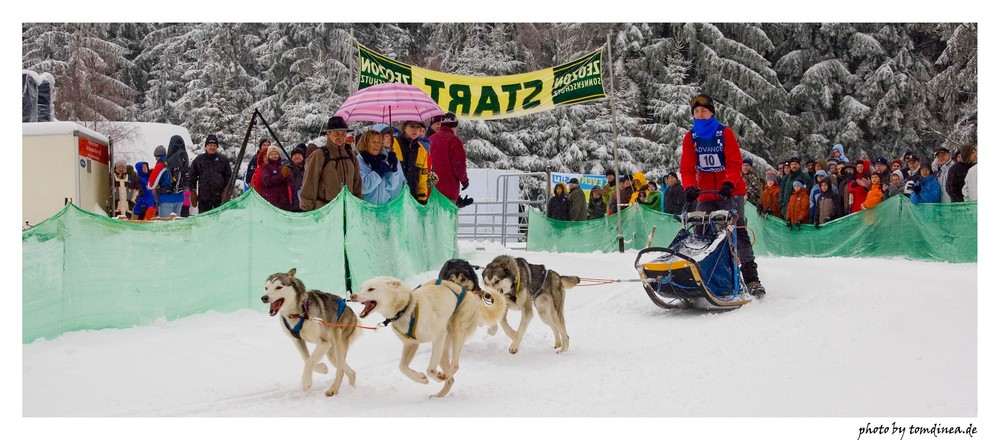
<point>316,317</point>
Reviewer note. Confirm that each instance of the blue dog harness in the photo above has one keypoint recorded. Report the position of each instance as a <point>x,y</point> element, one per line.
<point>416,311</point>
<point>341,305</point>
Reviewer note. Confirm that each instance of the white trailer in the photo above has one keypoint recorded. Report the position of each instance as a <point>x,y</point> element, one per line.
<point>62,162</point>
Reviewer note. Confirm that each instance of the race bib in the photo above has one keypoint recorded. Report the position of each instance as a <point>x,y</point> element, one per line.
<point>709,161</point>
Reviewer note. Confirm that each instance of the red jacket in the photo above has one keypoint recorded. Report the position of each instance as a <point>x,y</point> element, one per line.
<point>448,152</point>
<point>798,207</point>
<point>732,172</point>
<point>858,193</point>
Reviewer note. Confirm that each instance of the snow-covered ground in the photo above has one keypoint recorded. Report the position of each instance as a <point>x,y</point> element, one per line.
<point>835,337</point>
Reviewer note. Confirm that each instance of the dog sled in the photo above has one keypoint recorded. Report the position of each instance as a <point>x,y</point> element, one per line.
<point>699,269</point>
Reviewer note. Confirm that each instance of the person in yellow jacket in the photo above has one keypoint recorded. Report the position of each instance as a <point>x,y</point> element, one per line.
<point>639,184</point>
<point>415,160</point>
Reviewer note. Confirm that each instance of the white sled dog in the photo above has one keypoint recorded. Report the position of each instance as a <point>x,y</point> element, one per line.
<point>303,314</point>
<point>525,285</point>
<point>438,311</point>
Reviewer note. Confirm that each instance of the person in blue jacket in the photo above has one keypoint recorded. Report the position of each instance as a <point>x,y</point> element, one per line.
<point>926,189</point>
<point>145,203</point>
<point>382,178</point>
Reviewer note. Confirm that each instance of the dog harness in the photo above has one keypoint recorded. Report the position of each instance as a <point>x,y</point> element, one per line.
<point>341,305</point>
<point>416,312</point>
<point>513,295</point>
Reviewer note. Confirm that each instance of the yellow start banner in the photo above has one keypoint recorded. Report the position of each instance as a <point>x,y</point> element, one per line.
<point>491,97</point>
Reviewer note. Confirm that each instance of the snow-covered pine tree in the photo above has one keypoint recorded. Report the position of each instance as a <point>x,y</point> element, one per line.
<point>163,48</point>
<point>954,114</point>
<point>730,61</point>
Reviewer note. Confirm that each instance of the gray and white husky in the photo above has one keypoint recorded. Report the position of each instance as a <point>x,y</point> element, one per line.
<point>316,317</point>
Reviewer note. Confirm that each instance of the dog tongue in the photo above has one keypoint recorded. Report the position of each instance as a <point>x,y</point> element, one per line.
<point>369,305</point>
<point>275,306</point>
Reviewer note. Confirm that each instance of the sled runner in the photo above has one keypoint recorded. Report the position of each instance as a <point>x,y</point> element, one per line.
<point>699,268</point>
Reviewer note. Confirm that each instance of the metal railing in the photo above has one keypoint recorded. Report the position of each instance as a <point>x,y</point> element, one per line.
<point>507,224</point>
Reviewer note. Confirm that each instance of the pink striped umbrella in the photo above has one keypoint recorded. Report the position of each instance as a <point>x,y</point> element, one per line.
<point>388,102</point>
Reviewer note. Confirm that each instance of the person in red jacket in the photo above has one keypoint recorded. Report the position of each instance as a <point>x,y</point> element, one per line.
<point>857,192</point>
<point>448,152</point>
<point>797,211</point>
<point>711,160</point>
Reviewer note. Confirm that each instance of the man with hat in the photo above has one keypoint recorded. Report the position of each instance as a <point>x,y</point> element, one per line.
<point>415,160</point>
<point>911,172</point>
<point>448,152</point>
<point>942,164</point>
<point>330,169</point>
<point>882,169</point>
<point>753,182</point>
<point>625,190</point>
<point>577,201</point>
<point>711,160</point>
<point>210,173</point>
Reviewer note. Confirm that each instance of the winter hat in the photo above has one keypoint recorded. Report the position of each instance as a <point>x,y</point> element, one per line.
<point>748,160</point>
<point>771,177</point>
<point>670,174</point>
<point>299,149</point>
<point>794,159</point>
<point>926,164</point>
<point>703,100</point>
<point>159,151</point>
<point>449,120</point>
<point>574,181</point>
<point>942,150</point>
<point>798,183</point>
<point>418,123</point>
<point>897,173</point>
<point>609,173</point>
<point>881,160</point>
<point>259,144</point>
<point>211,139</point>
<point>274,148</point>
<point>335,123</point>
<point>897,162</point>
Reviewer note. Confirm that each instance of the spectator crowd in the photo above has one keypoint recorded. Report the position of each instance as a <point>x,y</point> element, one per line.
<point>384,161</point>
<point>796,191</point>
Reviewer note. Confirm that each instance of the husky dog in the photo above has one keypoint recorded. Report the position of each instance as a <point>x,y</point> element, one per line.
<point>525,285</point>
<point>438,311</point>
<point>491,307</point>
<point>307,316</point>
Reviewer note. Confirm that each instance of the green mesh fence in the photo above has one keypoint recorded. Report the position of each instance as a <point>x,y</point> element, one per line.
<point>84,271</point>
<point>895,228</point>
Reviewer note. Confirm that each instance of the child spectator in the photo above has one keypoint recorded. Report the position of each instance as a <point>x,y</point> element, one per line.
<point>145,203</point>
<point>927,189</point>
<point>558,207</point>
<point>770,197</point>
<point>798,205</point>
<point>857,192</point>
<point>275,180</point>
<point>874,196</point>
<point>596,207</point>
<point>895,185</point>
<point>827,205</point>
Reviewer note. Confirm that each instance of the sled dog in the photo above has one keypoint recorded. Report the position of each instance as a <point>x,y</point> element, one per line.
<point>438,311</point>
<point>526,286</point>
<point>491,307</point>
<point>303,314</point>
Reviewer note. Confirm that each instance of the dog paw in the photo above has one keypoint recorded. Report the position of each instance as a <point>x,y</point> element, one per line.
<point>320,368</point>
<point>440,376</point>
<point>331,393</point>
<point>512,350</point>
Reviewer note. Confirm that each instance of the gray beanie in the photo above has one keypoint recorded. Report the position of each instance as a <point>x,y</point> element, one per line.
<point>159,151</point>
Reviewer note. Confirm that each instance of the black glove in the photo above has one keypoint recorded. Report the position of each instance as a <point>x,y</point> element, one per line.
<point>760,211</point>
<point>392,160</point>
<point>465,185</point>
<point>727,190</point>
<point>789,224</point>
<point>381,168</point>
<point>916,189</point>
<point>691,194</point>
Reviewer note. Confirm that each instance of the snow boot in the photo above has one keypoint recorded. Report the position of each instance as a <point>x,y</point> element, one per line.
<point>756,289</point>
